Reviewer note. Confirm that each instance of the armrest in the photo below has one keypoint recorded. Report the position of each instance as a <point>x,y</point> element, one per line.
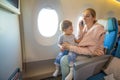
<point>80,64</point>
<point>89,67</point>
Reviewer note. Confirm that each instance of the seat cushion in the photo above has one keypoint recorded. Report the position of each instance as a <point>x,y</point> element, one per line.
<point>114,68</point>
<point>109,77</point>
<point>99,76</point>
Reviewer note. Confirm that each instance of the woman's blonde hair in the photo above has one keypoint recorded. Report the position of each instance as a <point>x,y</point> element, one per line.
<point>92,11</point>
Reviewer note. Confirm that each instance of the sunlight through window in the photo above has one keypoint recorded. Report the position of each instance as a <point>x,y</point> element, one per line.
<point>47,22</point>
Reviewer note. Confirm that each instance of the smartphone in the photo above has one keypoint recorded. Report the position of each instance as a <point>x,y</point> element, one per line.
<point>82,23</point>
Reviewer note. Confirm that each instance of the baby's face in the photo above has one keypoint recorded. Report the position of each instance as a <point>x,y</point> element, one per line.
<point>69,30</point>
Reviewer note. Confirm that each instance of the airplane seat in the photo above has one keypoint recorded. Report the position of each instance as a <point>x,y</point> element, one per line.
<point>89,67</point>
<point>111,35</point>
<point>102,74</point>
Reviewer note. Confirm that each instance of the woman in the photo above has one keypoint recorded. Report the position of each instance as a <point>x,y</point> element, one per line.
<point>91,42</point>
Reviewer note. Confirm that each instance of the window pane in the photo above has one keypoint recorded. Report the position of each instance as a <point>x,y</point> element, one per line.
<point>47,22</point>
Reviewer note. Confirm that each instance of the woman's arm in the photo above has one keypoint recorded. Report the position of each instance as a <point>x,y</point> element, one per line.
<point>77,49</point>
<point>81,31</point>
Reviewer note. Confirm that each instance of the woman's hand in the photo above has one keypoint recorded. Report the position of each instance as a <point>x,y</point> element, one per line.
<point>98,52</point>
<point>66,45</point>
<point>81,25</point>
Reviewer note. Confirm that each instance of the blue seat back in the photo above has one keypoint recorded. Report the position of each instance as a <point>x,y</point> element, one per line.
<point>111,35</point>
<point>117,53</point>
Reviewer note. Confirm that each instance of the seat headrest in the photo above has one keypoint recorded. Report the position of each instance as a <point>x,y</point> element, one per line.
<point>112,23</point>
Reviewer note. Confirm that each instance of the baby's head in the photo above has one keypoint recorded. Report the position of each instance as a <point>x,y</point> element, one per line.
<point>66,27</point>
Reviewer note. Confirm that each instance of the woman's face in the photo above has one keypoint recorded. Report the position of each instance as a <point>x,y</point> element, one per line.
<point>88,18</point>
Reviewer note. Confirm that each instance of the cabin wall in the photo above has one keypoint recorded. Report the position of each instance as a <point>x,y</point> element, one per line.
<point>10,47</point>
<point>35,44</point>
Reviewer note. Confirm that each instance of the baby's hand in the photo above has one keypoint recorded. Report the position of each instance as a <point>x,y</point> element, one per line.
<point>62,49</point>
<point>66,45</point>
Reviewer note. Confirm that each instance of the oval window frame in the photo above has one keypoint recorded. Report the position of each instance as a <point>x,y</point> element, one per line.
<point>45,20</point>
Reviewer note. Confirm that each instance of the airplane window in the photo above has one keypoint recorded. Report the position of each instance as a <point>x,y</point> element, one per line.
<point>47,22</point>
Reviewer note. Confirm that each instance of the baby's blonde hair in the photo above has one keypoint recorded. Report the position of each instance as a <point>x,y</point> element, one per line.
<point>65,24</point>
